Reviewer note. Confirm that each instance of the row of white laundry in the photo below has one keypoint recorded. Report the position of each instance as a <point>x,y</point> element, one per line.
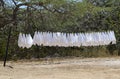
<point>25,40</point>
<point>66,39</point>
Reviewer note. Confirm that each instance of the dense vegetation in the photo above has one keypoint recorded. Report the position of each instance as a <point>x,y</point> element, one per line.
<point>27,16</point>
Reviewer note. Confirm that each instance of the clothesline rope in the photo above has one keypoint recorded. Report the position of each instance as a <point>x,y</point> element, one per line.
<point>66,39</point>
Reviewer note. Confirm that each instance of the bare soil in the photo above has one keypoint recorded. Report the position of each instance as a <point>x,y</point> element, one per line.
<point>67,68</point>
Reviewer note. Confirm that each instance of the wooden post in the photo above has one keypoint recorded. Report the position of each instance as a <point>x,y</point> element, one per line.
<point>7,46</point>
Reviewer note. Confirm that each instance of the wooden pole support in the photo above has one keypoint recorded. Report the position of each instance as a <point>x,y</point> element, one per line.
<point>7,47</point>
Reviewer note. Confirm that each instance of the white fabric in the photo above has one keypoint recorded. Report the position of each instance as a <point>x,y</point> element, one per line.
<point>25,40</point>
<point>20,40</point>
<point>29,41</point>
<point>66,39</point>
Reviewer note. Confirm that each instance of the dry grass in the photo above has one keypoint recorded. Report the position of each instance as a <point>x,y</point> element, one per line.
<point>75,68</point>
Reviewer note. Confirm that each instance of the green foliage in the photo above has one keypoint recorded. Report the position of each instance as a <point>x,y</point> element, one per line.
<point>64,16</point>
<point>2,49</point>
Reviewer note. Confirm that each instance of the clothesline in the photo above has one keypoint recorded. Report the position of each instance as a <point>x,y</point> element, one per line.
<point>66,39</point>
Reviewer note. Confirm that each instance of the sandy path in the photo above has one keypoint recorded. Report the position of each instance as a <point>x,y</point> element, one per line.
<point>75,68</point>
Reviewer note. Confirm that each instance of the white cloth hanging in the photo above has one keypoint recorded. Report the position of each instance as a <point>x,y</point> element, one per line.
<point>66,39</point>
<point>24,41</point>
<point>20,40</point>
<point>29,41</point>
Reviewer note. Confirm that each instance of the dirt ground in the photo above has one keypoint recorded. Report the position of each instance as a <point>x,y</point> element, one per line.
<point>70,68</point>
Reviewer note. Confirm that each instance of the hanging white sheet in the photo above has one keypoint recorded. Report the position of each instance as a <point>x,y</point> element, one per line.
<point>66,39</point>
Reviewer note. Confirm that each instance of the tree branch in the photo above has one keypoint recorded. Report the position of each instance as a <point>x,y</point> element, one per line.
<point>23,4</point>
<point>14,2</point>
<point>31,4</point>
<point>2,3</point>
